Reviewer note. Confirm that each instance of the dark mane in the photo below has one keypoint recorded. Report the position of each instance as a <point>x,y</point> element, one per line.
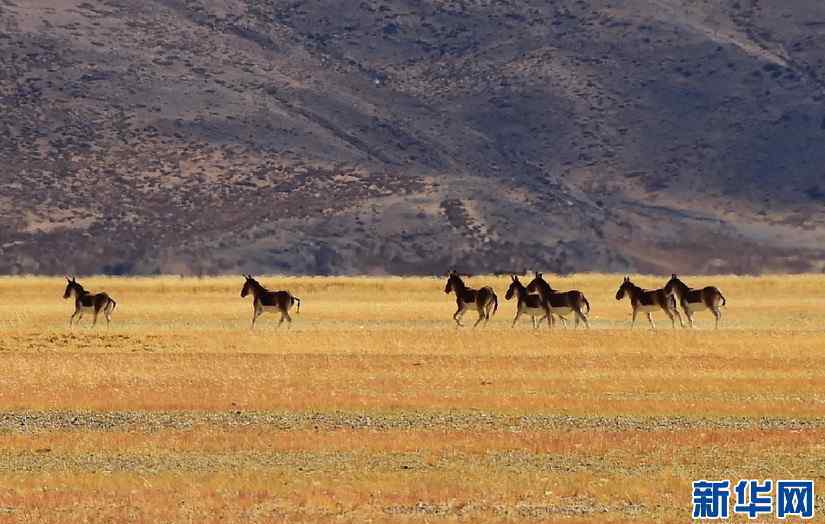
<point>76,287</point>
<point>455,283</point>
<point>515,287</point>
<point>257,285</point>
<point>675,282</point>
<point>539,284</point>
<point>628,287</point>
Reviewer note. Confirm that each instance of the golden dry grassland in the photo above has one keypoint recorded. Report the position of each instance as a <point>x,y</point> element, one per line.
<point>374,406</point>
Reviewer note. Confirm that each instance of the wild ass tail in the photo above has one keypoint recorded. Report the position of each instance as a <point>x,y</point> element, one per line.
<point>724,302</point>
<point>298,300</point>
<point>495,304</point>
<point>586,303</point>
<point>114,304</point>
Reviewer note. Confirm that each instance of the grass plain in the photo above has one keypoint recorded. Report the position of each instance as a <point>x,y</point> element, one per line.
<point>374,406</point>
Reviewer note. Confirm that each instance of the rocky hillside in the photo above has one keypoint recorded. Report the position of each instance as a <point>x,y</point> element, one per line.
<point>409,136</point>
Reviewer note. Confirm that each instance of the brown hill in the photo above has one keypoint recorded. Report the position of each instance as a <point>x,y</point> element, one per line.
<point>407,137</point>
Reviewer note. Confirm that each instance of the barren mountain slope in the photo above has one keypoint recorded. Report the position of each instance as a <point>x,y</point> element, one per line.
<point>408,136</point>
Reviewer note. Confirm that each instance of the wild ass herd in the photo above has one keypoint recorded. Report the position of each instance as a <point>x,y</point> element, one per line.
<point>538,300</point>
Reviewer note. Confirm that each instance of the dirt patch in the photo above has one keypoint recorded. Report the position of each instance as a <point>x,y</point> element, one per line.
<point>35,421</point>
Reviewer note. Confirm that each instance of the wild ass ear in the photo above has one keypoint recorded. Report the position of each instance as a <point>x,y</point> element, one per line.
<point>73,280</point>
<point>673,275</point>
<point>67,278</point>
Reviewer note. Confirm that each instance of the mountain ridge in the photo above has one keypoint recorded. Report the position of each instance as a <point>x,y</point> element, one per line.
<point>209,136</point>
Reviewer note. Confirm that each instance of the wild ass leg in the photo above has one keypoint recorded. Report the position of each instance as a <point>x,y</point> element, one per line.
<point>458,314</point>
<point>518,314</point>
<point>633,322</point>
<point>480,310</point>
<point>717,314</point>
<point>255,314</point>
<point>679,316</point>
<point>671,317</point>
<point>71,318</point>
<point>580,316</point>
<point>650,319</point>
<point>688,313</point>
<point>98,311</point>
<point>288,318</point>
